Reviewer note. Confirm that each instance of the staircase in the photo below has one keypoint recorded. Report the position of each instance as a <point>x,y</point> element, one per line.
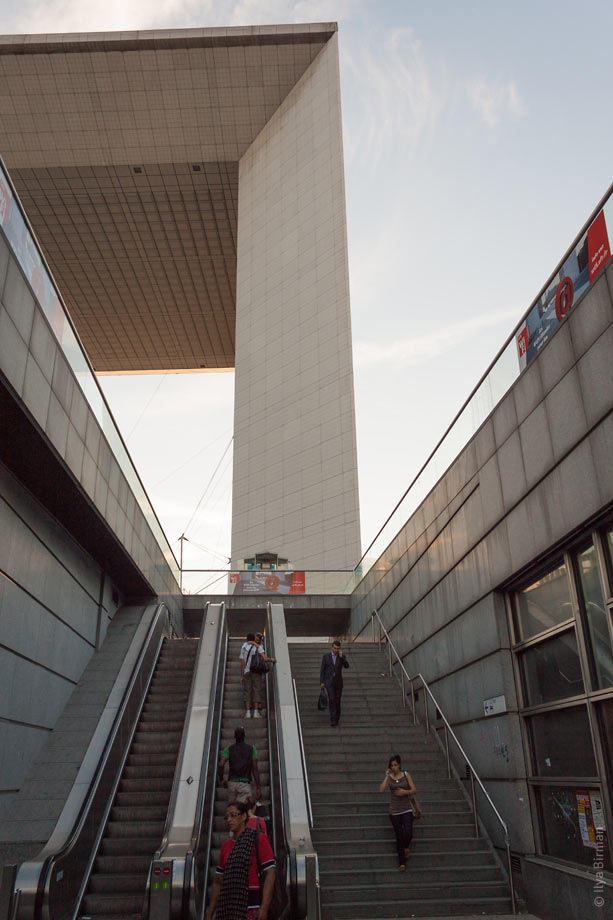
<point>450,872</point>
<point>116,888</point>
<point>256,732</point>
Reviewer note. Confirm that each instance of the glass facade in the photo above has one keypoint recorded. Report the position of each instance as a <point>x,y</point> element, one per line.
<point>562,628</point>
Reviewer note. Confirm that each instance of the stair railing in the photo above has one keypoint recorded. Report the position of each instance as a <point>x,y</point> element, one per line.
<point>449,733</point>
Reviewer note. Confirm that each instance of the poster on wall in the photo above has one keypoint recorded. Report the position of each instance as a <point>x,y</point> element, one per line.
<point>581,267</point>
<point>266,582</point>
<point>586,820</point>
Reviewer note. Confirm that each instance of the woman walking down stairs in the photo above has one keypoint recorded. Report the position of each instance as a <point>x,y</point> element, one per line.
<point>450,872</point>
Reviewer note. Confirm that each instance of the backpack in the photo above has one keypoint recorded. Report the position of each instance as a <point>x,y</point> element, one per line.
<point>258,665</point>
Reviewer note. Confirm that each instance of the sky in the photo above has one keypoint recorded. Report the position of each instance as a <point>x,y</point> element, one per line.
<point>478,139</point>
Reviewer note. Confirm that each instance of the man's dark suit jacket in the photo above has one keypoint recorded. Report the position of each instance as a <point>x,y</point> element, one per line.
<point>331,673</point>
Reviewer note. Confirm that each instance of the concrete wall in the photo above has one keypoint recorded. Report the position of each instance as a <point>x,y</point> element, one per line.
<point>36,370</point>
<point>295,469</point>
<point>55,606</point>
<point>539,467</point>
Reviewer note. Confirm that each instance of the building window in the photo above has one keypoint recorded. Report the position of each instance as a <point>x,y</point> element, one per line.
<point>596,617</point>
<point>568,817</point>
<point>551,670</point>
<point>561,743</point>
<point>543,604</point>
<point>563,646</point>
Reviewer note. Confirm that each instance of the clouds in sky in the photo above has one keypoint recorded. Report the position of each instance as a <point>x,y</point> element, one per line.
<point>495,101</point>
<point>421,348</point>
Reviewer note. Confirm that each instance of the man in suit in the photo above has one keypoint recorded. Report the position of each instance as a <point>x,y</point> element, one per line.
<point>331,677</point>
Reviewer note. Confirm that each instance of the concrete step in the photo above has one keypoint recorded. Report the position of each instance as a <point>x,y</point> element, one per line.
<point>443,908</point>
<point>410,886</point>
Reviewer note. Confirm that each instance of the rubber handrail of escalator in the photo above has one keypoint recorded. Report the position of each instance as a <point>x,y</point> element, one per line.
<point>33,876</point>
<point>201,848</point>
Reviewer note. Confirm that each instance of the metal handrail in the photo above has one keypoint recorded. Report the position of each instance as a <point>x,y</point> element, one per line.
<point>448,731</point>
<point>302,755</point>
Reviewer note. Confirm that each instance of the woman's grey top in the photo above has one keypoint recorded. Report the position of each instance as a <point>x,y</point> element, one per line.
<point>399,803</point>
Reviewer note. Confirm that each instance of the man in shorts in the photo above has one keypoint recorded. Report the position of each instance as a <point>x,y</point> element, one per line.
<point>243,760</point>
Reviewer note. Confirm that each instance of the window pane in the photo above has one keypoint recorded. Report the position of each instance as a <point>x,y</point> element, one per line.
<point>551,670</point>
<point>606,724</point>
<point>572,825</point>
<point>544,604</point>
<point>609,544</point>
<point>597,616</point>
<point>561,743</point>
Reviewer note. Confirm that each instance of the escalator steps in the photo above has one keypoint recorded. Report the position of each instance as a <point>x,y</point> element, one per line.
<point>116,888</point>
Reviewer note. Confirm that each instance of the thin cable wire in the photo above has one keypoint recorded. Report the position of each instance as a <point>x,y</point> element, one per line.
<point>186,462</point>
<point>147,404</point>
<point>213,494</point>
<point>206,549</point>
<point>208,485</point>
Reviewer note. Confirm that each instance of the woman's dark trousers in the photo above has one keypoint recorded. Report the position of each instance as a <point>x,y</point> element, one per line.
<point>403,828</point>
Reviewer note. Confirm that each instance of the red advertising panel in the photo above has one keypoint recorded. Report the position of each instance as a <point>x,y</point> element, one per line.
<point>598,247</point>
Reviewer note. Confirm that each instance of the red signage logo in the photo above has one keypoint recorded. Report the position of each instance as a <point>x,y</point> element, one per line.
<point>564,297</point>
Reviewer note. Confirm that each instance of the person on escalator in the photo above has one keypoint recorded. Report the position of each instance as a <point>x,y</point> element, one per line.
<point>252,681</point>
<point>243,767</point>
<point>254,820</point>
<point>236,893</point>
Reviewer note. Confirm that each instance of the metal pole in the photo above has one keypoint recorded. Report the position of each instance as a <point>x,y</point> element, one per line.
<point>372,621</point>
<point>474,795</point>
<point>447,753</point>
<point>510,870</point>
<point>427,713</point>
<point>181,538</point>
<point>413,702</point>
<point>389,657</point>
<point>404,696</point>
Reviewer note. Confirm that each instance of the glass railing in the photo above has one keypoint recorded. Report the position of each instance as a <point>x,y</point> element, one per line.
<point>22,242</point>
<point>580,266</point>
<point>277,583</point>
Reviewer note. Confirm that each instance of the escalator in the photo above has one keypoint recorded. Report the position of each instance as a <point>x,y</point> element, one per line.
<point>256,733</point>
<point>116,887</point>
<point>144,823</point>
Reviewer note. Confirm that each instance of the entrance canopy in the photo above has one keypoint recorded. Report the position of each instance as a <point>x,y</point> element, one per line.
<point>125,150</point>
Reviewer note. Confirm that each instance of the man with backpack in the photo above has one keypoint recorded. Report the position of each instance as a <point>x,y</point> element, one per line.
<point>243,760</point>
<point>254,663</point>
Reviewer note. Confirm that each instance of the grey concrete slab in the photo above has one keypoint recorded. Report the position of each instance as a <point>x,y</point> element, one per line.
<point>505,419</point>
<point>528,391</point>
<point>512,473</point>
<point>556,358</point>
<point>536,447</point>
<point>566,413</point>
<point>18,300</point>
<point>13,352</point>
<point>43,345</point>
<point>589,319</point>
<point>596,376</point>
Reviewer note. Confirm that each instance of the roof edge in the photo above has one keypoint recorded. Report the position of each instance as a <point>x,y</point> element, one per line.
<point>160,39</point>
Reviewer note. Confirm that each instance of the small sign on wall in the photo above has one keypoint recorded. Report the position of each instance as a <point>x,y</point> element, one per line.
<point>495,705</point>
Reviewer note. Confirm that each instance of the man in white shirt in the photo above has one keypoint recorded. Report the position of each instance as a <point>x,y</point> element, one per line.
<point>252,681</point>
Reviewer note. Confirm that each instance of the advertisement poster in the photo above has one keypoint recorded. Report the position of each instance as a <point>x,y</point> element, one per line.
<point>597,807</point>
<point>582,266</point>
<point>586,821</point>
<point>266,582</point>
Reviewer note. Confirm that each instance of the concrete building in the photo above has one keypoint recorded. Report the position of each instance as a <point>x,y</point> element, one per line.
<point>187,191</point>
